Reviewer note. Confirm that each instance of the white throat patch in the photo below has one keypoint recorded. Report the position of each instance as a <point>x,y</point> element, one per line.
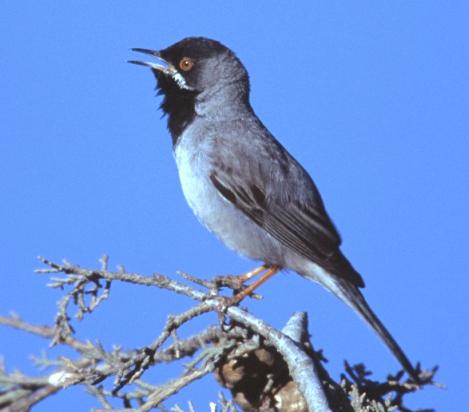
<point>177,77</point>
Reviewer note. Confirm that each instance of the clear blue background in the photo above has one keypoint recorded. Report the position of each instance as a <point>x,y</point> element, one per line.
<point>371,97</point>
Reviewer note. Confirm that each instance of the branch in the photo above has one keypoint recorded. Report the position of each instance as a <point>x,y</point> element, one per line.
<point>263,367</point>
<point>300,365</point>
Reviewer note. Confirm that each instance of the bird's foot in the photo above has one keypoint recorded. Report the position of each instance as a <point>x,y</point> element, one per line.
<point>238,297</point>
<point>224,302</point>
<point>236,282</point>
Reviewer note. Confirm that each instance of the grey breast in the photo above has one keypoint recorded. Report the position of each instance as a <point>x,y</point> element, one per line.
<point>194,155</point>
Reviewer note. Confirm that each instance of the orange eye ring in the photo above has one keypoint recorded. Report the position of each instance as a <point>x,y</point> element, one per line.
<point>186,64</point>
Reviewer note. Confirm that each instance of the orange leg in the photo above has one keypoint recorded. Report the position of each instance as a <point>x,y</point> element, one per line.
<point>249,275</point>
<point>271,271</point>
<point>236,282</point>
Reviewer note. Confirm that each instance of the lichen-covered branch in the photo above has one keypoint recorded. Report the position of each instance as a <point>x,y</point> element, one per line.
<point>265,369</point>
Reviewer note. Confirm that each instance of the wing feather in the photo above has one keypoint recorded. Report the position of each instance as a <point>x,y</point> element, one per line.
<point>305,228</point>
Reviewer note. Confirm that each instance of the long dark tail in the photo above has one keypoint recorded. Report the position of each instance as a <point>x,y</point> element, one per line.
<point>351,295</point>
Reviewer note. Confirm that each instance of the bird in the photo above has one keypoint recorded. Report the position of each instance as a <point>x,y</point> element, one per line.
<point>242,184</point>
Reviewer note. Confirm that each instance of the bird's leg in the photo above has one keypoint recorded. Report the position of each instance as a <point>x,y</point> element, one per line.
<point>271,271</point>
<point>236,282</point>
<point>249,275</point>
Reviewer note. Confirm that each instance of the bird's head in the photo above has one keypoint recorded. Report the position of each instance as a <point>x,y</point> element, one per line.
<point>195,65</point>
<point>197,76</point>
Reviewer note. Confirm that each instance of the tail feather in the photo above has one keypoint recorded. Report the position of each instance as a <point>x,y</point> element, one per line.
<point>351,295</point>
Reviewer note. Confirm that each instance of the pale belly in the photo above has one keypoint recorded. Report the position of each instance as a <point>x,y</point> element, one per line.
<point>221,217</point>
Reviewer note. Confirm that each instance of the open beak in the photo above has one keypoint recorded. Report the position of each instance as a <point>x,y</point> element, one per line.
<point>162,66</point>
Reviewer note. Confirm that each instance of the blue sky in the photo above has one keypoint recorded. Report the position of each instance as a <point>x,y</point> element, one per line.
<point>371,97</point>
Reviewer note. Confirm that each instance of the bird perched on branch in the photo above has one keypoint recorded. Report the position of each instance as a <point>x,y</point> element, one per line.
<point>242,184</point>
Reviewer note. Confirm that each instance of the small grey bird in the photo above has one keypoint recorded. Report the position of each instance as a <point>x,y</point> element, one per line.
<point>241,183</point>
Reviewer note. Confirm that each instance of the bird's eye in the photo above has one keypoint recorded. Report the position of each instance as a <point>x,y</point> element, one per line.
<point>186,64</point>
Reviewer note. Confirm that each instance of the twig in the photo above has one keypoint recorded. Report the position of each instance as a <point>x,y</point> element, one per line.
<point>174,386</point>
<point>241,337</point>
